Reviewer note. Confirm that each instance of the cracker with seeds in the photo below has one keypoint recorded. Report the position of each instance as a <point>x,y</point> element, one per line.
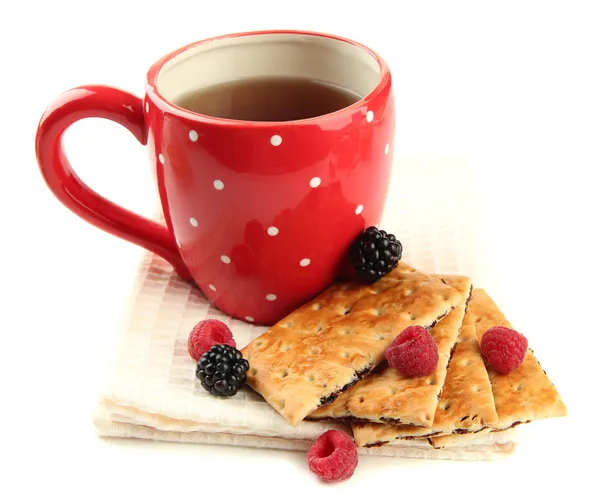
<point>311,356</point>
<point>463,438</point>
<point>524,395</point>
<point>527,393</point>
<point>466,403</point>
<point>387,396</point>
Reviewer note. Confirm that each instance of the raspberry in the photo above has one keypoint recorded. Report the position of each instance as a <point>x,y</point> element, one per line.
<point>333,456</point>
<point>413,352</point>
<point>504,349</point>
<point>207,333</point>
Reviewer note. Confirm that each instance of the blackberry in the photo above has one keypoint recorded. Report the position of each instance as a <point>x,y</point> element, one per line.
<point>222,370</point>
<point>374,254</point>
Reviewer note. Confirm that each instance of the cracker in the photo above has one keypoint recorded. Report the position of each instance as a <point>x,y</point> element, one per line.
<point>524,395</point>
<point>484,437</point>
<point>466,403</point>
<point>527,393</point>
<point>476,451</point>
<point>386,396</point>
<point>458,439</point>
<point>307,359</point>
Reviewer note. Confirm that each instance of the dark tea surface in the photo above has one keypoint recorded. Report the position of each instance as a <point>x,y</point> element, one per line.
<point>268,99</point>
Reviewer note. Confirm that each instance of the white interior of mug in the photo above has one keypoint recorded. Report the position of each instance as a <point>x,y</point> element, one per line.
<point>313,57</point>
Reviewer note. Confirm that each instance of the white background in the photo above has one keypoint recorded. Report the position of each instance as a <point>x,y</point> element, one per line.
<point>511,87</point>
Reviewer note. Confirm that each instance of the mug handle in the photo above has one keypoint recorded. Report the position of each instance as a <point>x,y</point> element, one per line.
<point>123,108</point>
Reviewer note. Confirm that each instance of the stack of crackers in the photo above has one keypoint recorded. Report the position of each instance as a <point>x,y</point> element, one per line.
<point>326,361</point>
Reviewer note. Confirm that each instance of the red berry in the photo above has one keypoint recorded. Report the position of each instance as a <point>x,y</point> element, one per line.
<point>504,349</point>
<point>413,352</point>
<point>333,456</point>
<point>207,333</point>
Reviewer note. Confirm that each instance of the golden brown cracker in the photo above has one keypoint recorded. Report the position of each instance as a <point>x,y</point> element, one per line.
<point>527,393</point>
<point>387,396</point>
<point>307,359</point>
<point>466,403</point>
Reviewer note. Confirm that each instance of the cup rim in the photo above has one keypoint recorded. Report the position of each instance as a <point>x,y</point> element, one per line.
<point>168,106</point>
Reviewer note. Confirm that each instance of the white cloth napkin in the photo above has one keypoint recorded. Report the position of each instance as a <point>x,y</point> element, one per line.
<point>152,392</point>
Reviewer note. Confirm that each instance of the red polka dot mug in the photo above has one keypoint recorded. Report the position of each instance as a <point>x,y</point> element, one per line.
<point>259,214</point>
